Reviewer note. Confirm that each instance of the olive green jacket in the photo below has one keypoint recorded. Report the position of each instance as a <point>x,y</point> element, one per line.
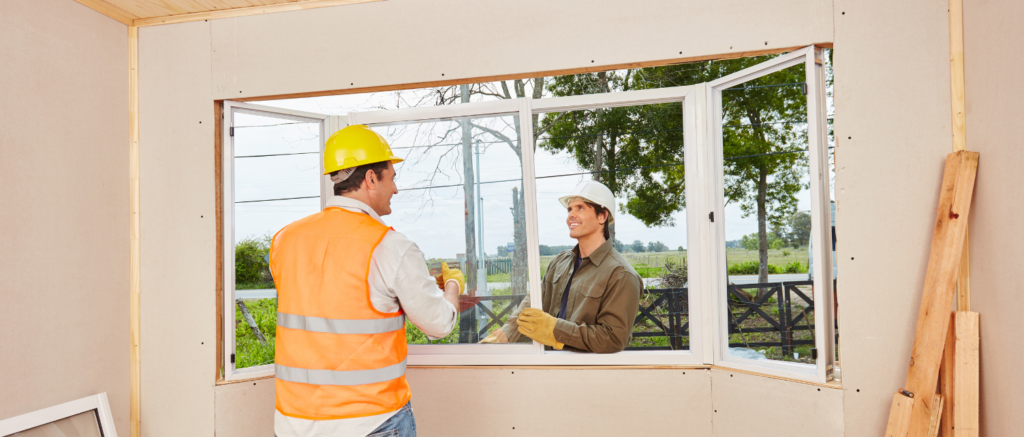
<point>603,301</point>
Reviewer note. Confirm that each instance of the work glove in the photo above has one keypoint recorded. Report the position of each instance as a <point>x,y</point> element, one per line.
<point>451,274</point>
<point>539,326</point>
<point>496,337</point>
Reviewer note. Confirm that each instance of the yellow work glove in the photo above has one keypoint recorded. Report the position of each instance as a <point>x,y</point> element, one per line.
<point>449,274</point>
<point>496,337</point>
<point>539,326</point>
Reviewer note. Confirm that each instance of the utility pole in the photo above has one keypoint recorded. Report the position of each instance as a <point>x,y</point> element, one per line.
<point>481,274</point>
<point>467,322</point>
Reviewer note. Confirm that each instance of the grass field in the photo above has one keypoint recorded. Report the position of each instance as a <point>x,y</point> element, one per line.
<point>649,265</point>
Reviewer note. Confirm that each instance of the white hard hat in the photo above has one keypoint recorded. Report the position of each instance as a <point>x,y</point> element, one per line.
<point>594,192</point>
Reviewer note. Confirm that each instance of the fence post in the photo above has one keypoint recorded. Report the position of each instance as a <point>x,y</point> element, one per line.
<point>252,323</point>
<point>785,320</point>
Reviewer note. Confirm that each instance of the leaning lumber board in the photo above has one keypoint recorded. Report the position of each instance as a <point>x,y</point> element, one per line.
<point>965,406</point>
<point>936,419</point>
<point>899,416</point>
<point>946,377</point>
<point>939,281</point>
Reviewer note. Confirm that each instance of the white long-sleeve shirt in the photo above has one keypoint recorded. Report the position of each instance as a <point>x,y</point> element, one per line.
<point>398,279</point>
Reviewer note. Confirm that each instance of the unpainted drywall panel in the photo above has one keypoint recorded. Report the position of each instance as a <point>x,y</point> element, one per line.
<point>63,207</point>
<point>518,402</point>
<point>748,405</point>
<point>892,128</point>
<point>245,409</point>
<point>410,41</point>
<point>178,231</point>
<point>994,59</point>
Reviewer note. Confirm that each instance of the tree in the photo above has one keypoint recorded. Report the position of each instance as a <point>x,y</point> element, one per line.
<point>637,246</point>
<point>656,246</point>
<point>799,229</point>
<point>620,246</point>
<point>637,151</point>
<point>749,242</point>
<point>681,249</point>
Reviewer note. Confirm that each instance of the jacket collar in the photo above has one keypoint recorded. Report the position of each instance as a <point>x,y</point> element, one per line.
<point>598,255</point>
<point>354,206</point>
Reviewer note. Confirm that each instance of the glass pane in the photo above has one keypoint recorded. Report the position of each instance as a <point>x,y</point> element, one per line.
<point>460,198</point>
<point>276,181</point>
<point>637,152</point>
<point>80,425</point>
<point>767,217</point>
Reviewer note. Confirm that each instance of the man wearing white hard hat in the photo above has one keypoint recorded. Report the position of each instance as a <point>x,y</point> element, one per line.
<point>590,293</point>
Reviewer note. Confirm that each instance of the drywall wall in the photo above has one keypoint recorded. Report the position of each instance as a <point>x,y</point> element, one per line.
<point>184,67</point>
<point>892,123</point>
<point>245,409</point>
<point>992,39</point>
<point>178,231</point>
<point>409,41</point>
<point>64,215</point>
<point>892,129</point>
<point>753,405</point>
<point>516,402</point>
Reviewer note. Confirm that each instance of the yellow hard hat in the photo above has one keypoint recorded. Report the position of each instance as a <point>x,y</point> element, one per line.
<point>354,146</point>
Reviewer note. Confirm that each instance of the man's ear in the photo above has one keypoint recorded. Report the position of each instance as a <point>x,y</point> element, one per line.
<point>372,179</point>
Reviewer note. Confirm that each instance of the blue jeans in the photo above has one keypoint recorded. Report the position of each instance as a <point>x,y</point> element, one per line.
<point>402,424</point>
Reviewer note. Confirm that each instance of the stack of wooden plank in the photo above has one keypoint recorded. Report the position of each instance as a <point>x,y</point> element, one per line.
<point>945,340</point>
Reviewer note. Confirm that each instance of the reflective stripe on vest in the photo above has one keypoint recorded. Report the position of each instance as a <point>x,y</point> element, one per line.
<point>339,377</point>
<point>340,326</point>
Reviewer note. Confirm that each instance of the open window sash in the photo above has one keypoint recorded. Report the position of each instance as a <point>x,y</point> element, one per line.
<point>230,110</point>
<point>716,266</point>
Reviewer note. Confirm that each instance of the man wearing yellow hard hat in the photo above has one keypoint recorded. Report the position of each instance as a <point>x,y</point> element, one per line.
<point>590,294</point>
<point>346,283</point>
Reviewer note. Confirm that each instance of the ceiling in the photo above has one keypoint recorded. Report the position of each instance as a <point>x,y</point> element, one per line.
<point>155,12</point>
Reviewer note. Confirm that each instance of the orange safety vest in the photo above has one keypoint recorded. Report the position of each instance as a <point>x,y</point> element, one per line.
<point>336,356</point>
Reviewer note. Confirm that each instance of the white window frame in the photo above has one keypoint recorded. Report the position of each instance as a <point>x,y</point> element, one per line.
<point>702,133</point>
<point>716,272</point>
<point>228,217</point>
<point>37,418</point>
<point>525,108</point>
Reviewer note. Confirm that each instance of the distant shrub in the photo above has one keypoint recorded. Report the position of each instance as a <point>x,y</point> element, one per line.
<point>251,267</point>
<point>796,267</point>
<point>751,268</point>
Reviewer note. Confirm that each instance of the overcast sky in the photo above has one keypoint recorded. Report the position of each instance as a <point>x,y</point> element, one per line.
<point>433,218</point>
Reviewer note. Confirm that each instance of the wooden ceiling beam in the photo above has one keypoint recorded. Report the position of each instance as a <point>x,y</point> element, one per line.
<point>157,12</point>
<point>110,10</point>
<point>245,11</point>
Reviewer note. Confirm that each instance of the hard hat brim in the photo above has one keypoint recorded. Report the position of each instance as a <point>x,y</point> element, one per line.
<point>564,200</point>
<point>393,159</point>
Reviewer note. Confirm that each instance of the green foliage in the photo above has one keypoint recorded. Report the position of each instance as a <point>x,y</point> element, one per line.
<point>413,335</point>
<point>796,267</point>
<point>657,246</point>
<point>750,268</point>
<point>646,271</point>
<point>248,349</point>
<point>637,246</point>
<point>799,229</point>
<point>251,267</point>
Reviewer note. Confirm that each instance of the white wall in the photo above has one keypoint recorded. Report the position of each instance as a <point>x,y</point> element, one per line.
<point>992,38</point>
<point>892,121</point>
<point>63,207</point>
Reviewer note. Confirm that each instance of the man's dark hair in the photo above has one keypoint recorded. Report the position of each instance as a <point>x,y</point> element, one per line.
<point>355,180</point>
<point>598,210</point>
